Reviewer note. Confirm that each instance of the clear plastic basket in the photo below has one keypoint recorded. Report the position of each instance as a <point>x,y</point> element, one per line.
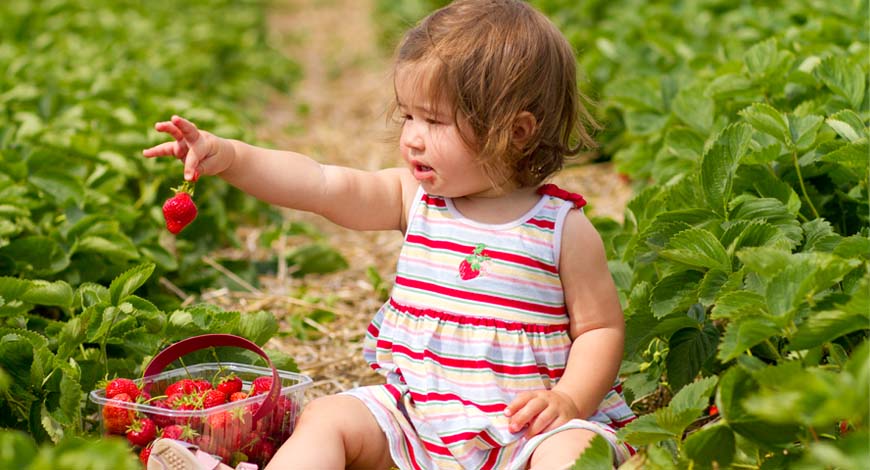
<point>248,430</point>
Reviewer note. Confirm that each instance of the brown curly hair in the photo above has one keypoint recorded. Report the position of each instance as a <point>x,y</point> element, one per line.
<point>492,60</point>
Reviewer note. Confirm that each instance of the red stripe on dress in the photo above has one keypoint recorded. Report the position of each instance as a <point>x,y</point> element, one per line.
<point>470,364</point>
<point>491,459</point>
<point>621,424</point>
<point>543,223</point>
<point>467,250</point>
<point>436,449</point>
<point>531,328</point>
<point>449,397</point>
<point>478,297</point>
<point>433,201</point>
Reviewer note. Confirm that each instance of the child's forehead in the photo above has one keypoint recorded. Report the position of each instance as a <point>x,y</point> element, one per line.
<point>416,86</point>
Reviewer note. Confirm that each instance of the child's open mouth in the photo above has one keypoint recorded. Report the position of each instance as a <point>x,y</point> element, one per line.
<point>422,172</point>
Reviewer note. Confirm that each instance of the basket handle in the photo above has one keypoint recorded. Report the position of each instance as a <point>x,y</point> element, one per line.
<point>196,343</point>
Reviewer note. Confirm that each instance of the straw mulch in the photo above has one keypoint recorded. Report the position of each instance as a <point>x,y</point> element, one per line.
<point>336,115</point>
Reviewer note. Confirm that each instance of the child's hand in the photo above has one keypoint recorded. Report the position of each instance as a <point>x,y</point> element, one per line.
<point>201,152</point>
<point>541,410</point>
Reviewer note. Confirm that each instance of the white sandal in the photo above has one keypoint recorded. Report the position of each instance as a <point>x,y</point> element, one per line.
<point>171,454</point>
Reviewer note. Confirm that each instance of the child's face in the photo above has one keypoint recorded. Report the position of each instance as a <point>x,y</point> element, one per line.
<point>431,143</point>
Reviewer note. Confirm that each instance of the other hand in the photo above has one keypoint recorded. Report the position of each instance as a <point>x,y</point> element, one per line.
<point>540,410</point>
<point>202,152</point>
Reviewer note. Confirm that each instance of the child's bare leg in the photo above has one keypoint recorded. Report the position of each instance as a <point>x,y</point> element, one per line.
<point>334,432</point>
<point>560,450</point>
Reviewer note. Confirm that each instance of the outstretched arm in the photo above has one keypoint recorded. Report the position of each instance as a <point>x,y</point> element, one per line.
<point>597,328</point>
<point>352,198</point>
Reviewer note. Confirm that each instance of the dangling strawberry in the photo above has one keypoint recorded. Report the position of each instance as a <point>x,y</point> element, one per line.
<point>469,268</point>
<point>179,210</point>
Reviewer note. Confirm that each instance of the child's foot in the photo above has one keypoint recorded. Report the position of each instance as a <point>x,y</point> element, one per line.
<point>169,454</point>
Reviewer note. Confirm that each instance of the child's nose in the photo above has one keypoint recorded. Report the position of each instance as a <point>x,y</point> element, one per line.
<point>412,136</point>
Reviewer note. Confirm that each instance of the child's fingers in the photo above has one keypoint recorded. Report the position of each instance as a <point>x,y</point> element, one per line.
<point>165,149</point>
<point>518,403</point>
<point>524,415</point>
<point>540,422</point>
<point>169,128</point>
<point>194,139</point>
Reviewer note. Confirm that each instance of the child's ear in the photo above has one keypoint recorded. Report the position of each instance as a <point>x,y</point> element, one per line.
<point>524,128</point>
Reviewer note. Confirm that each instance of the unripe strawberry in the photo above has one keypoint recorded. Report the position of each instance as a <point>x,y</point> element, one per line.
<point>179,210</point>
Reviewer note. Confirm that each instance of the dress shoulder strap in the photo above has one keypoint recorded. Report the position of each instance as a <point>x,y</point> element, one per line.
<point>555,191</point>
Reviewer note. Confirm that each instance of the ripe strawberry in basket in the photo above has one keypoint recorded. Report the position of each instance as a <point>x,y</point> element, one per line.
<point>117,419</point>
<point>122,385</point>
<point>202,385</point>
<point>141,432</point>
<point>183,387</point>
<point>212,398</point>
<point>161,419</point>
<point>261,385</point>
<point>179,433</point>
<point>229,384</point>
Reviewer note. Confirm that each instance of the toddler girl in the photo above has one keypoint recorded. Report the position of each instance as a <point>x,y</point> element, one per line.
<point>503,335</point>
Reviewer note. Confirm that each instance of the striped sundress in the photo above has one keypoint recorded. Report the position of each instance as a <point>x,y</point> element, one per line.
<point>476,316</point>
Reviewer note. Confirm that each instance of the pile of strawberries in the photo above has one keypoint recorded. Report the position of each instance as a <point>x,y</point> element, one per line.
<point>229,433</point>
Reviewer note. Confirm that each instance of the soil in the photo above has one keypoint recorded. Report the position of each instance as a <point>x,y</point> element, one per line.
<point>337,115</point>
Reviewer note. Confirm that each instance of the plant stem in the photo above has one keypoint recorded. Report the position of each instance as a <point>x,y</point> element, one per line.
<point>797,169</point>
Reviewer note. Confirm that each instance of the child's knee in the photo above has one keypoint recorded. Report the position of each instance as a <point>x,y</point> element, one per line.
<point>561,449</point>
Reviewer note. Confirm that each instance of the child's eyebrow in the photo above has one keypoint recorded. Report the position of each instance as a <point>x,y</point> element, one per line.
<point>423,109</point>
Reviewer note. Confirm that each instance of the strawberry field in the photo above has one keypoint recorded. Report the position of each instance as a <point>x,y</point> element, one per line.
<point>741,259</point>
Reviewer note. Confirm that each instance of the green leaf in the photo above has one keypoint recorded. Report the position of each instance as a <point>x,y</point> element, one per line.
<point>848,125</point>
<point>645,430</point>
<point>849,452</point>
<point>115,246</point>
<point>17,449</point>
<point>768,120</point>
<point>745,333</point>
<point>697,248</point>
<point>37,255</point>
<point>712,286</point>
<point>694,108</point>
<point>694,397</point>
<point>127,283</point>
<point>41,292</point>
<point>733,305</point>
<point>61,186</point>
<point>711,448</point>
<point>734,386</point>
<point>803,129</point>
<point>684,144</point>
<point>844,78</point>
<point>770,210</point>
<point>729,85</point>
<point>819,397</point>
<point>598,456</point>
<point>763,59</point>
<point>855,155</point>
<point>689,348</point>
<point>316,258</point>
<point>807,275</point>
<point>822,327</point>
<point>675,293</point>
<point>720,162</point>
<point>258,326</point>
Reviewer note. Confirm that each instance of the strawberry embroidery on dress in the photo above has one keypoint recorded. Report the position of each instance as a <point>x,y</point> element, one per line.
<point>553,190</point>
<point>471,266</point>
